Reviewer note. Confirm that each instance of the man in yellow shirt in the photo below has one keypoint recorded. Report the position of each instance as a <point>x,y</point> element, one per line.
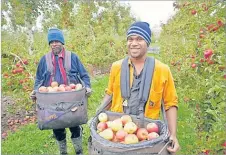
<point>162,85</point>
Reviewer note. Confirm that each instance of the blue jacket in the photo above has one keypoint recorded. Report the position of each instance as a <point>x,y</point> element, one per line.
<point>43,76</point>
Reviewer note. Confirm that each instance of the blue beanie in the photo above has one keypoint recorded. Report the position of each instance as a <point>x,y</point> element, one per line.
<point>55,34</point>
<point>141,29</point>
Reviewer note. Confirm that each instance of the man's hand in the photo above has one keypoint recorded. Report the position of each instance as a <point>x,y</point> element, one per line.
<point>174,146</point>
<point>88,91</point>
<point>33,96</point>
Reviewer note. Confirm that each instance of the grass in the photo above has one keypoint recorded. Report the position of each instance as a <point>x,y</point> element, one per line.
<point>30,140</point>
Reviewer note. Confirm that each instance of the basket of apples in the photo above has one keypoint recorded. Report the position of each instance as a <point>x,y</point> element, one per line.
<point>119,133</point>
<point>61,106</point>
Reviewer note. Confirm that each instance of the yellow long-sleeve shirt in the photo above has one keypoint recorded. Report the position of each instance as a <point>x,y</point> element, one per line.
<point>162,88</point>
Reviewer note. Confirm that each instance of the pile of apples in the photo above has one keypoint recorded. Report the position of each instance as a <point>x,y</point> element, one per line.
<point>124,130</point>
<point>55,87</point>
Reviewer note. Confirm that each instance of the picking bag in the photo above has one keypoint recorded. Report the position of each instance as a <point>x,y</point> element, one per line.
<point>100,146</point>
<point>61,109</point>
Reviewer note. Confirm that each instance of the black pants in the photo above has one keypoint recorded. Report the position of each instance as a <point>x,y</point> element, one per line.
<point>60,134</point>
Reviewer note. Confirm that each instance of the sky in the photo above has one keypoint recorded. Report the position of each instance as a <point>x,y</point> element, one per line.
<point>152,11</point>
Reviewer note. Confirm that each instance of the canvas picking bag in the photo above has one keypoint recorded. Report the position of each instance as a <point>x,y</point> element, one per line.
<point>61,109</point>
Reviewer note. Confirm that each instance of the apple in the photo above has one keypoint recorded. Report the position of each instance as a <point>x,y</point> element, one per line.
<point>208,53</point>
<point>131,139</point>
<point>130,127</point>
<point>50,89</point>
<point>109,123</point>
<point>72,85</point>
<point>107,134</point>
<point>103,117</point>
<point>78,86</point>
<point>114,139</point>
<point>62,85</point>
<point>116,125</point>
<point>61,89</point>
<point>220,23</point>
<point>201,36</point>
<point>121,134</point>
<point>68,88</point>
<point>152,127</point>
<point>43,89</point>
<point>153,135</point>
<point>142,134</point>
<point>193,12</point>
<point>101,126</point>
<point>55,88</point>
<point>54,84</point>
<point>18,65</point>
<point>193,65</point>
<point>25,61</point>
<point>202,60</point>
<point>125,119</point>
<point>4,134</point>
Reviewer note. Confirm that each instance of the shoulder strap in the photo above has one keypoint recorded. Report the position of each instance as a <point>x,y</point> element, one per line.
<point>67,61</point>
<point>146,82</point>
<point>49,63</point>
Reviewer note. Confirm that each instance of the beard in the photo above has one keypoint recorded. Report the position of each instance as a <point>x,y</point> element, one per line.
<point>56,50</point>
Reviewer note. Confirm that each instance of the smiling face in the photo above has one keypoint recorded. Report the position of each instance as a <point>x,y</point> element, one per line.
<point>56,47</point>
<point>137,47</point>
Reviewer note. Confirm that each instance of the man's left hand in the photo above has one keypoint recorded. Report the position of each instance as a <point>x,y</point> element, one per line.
<point>175,145</point>
<point>88,91</point>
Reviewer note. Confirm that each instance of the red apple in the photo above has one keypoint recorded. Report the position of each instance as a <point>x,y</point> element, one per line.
<point>50,89</point>
<point>68,88</point>
<point>62,85</point>
<point>115,139</point>
<point>153,135</point>
<point>61,89</point>
<point>125,119</point>
<point>25,61</point>
<point>72,85</point>
<point>4,134</point>
<point>193,12</point>
<point>142,134</point>
<point>201,36</point>
<point>54,84</point>
<point>193,65</point>
<point>43,89</point>
<point>121,134</point>
<point>220,23</point>
<point>152,127</point>
<point>101,126</point>
<point>208,53</point>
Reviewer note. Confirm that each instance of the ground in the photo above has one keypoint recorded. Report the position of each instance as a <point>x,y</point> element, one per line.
<point>10,121</point>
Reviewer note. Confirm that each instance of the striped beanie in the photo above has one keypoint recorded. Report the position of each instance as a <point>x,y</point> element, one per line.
<point>141,29</point>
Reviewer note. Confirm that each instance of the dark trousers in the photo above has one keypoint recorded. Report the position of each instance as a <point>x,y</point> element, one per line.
<point>60,134</point>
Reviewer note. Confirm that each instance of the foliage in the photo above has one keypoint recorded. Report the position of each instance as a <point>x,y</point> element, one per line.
<point>197,28</point>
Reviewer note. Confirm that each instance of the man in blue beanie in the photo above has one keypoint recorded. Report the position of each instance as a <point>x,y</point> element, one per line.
<point>133,90</point>
<point>44,77</point>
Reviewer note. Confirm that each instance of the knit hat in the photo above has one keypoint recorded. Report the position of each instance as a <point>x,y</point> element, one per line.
<point>141,29</point>
<point>55,34</point>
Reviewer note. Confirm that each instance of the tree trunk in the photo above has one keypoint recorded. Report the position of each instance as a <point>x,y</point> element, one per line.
<point>30,37</point>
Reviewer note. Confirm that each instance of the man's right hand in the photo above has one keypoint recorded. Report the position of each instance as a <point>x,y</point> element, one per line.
<point>33,96</point>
